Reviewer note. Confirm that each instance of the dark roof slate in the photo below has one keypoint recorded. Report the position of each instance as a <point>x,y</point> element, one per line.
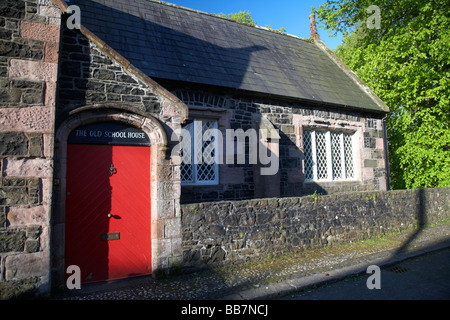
<point>170,42</point>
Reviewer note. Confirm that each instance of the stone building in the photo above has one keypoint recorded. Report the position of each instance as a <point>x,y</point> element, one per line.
<point>90,119</point>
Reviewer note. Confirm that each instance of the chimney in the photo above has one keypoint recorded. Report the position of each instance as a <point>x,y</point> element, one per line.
<point>314,34</point>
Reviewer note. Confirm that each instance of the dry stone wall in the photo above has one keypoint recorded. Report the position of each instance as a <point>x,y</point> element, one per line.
<point>237,230</point>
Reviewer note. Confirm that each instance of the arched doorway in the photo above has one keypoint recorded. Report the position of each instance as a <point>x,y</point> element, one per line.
<point>108,202</point>
<point>158,143</point>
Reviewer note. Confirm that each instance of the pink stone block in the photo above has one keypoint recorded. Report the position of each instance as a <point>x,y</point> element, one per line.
<point>50,94</point>
<point>172,228</point>
<point>177,247</point>
<point>32,119</point>
<point>380,143</point>
<point>367,174</point>
<point>33,70</point>
<point>22,216</point>
<point>23,266</point>
<point>48,145</point>
<point>157,229</point>
<point>161,248</point>
<point>41,168</point>
<point>46,33</point>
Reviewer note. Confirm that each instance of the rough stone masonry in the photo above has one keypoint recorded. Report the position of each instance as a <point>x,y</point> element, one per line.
<point>239,230</point>
<point>29,42</point>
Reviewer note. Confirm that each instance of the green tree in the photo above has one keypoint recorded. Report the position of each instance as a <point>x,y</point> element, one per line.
<point>406,62</point>
<point>246,18</point>
<point>242,17</point>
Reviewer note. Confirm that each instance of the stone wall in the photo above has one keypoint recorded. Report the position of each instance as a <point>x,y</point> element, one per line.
<point>29,42</point>
<point>243,181</point>
<point>237,230</point>
<point>87,76</point>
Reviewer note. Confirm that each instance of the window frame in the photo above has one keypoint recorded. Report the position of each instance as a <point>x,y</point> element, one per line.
<point>329,156</point>
<point>194,154</point>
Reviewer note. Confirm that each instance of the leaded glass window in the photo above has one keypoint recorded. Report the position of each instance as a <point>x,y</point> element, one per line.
<point>328,155</point>
<point>198,165</point>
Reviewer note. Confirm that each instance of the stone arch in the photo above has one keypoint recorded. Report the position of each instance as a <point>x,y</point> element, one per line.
<point>112,112</point>
<point>94,114</point>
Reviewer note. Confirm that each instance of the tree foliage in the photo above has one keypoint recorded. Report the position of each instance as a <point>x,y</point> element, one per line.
<point>246,18</point>
<point>406,62</point>
<point>241,16</point>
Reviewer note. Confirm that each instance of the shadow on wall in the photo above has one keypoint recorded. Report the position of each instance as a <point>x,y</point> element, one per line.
<point>260,166</point>
<point>140,41</point>
<point>421,218</point>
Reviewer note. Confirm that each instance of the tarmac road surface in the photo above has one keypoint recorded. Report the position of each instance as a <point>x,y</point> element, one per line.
<point>425,277</point>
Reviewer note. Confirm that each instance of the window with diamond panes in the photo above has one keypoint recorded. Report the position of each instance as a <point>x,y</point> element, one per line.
<point>321,155</point>
<point>187,171</point>
<point>348,155</point>
<point>328,155</point>
<point>198,165</point>
<point>336,155</point>
<point>307,149</point>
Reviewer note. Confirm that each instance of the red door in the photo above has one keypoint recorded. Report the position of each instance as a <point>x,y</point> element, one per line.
<point>108,211</point>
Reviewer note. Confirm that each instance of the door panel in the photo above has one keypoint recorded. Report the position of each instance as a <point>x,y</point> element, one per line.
<point>130,208</point>
<point>92,194</point>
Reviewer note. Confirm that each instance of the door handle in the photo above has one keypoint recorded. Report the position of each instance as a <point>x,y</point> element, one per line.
<point>115,216</point>
<point>112,170</point>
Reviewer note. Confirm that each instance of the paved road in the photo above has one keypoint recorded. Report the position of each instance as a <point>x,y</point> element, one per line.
<point>425,277</point>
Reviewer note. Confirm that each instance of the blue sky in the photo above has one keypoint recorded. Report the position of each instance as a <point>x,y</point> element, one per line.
<point>290,14</point>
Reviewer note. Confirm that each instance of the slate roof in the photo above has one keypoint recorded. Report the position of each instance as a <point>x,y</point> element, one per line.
<point>174,43</point>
